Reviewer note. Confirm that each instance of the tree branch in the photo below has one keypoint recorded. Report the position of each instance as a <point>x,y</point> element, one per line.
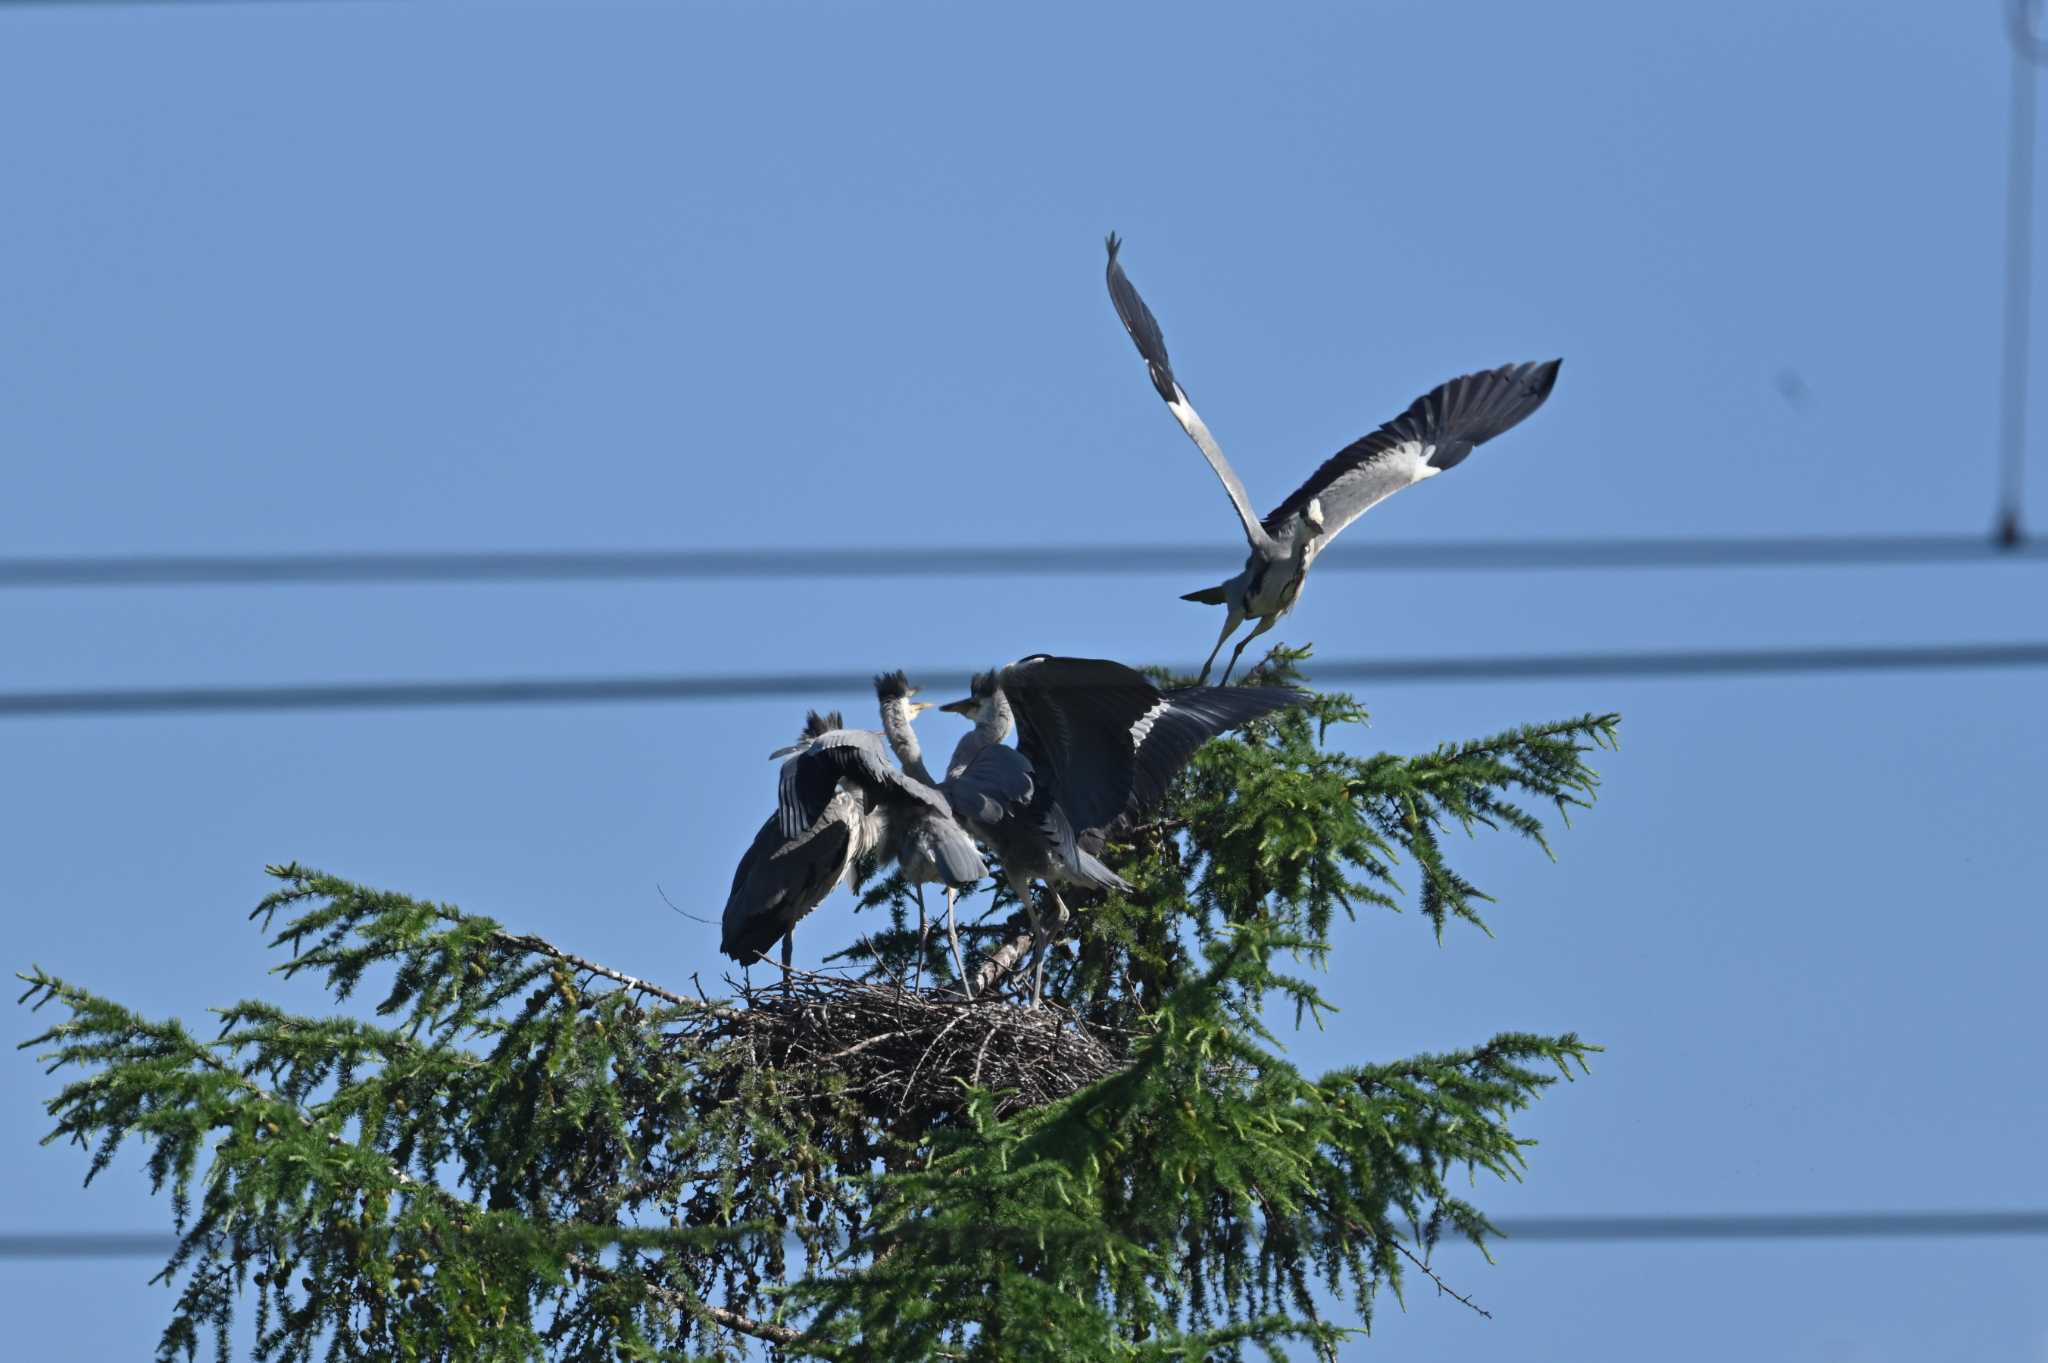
<point>528,941</point>
<point>717,1315</point>
<point>690,1304</point>
<point>1442,1287</point>
<point>1003,961</point>
<point>1368,1233</point>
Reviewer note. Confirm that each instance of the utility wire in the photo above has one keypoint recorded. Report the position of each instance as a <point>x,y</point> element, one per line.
<point>195,570</point>
<point>749,686</point>
<point>1514,1230</point>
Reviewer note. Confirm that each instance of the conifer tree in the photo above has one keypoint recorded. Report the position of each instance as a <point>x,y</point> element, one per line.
<point>519,1153</point>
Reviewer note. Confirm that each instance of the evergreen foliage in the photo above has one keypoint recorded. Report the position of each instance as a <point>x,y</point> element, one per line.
<point>530,1155</point>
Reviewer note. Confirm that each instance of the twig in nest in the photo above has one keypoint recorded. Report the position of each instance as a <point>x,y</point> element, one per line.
<point>911,1082</point>
<point>909,1054</point>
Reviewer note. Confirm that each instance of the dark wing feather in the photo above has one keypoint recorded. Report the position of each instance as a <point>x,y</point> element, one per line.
<point>1436,433</point>
<point>1151,342</point>
<point>953,852</point>
<point>778,882</point>
<point>1140,323</point>
<point>858,756</point>
<point>1168,736</point>
<point>1074,718</point>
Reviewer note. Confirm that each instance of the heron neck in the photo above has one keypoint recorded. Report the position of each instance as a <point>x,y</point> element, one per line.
<point>989,731</point>
<point>903,742</point>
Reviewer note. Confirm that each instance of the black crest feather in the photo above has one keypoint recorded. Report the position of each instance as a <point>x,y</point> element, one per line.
<point>892,686</point>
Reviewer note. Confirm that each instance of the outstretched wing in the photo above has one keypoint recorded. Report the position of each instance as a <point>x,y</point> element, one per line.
<point>1144,329</point>
<point>1436,433</point>
<point>857,756</point>
<point>1075,718</point>
<point>1169,735</point>
<point>1169,738</point>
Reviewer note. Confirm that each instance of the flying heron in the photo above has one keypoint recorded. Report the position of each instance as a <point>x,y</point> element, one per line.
<point>1436,433</point>
<point>1097,747</point>
<point>914,825</point>
<point>782,879</point>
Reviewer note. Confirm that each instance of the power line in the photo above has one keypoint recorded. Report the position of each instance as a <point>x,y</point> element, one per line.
<point>1514,1230</point>
<point>1793,1226</point>
<point>570,565</point>
<point>748,686</point>
<point>147,4</point>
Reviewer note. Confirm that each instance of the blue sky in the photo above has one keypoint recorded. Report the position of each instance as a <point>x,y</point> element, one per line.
<point>355,276</point>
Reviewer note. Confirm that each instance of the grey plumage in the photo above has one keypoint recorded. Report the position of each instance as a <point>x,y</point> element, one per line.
<point>1097,747</point>
<point>1442,427</point>
<point>912,822</point>
<point>1436,433</point>
<point>858,757</point>
<point>781,879</point>
<point>1181,721</point>
<point>917,828</point>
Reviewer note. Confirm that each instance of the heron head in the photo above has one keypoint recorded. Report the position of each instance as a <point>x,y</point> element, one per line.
<point>896,694</point>
<point>979,700</point>
<point>1312,515</point>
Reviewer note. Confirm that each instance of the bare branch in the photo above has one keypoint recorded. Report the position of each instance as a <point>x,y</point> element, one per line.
<point>527,941</point>
<point>1442,1287</point>
<point>690,1304</point>
<point>1002,961</point>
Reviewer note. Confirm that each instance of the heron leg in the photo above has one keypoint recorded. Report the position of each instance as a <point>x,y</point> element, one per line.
<point>953,941</point>
<point>1038,941</point>
<point>1265,624</point>
<point>788,954</point>
<point>1230,623</point>
<point>1045,942</point>
<point>924,934</point>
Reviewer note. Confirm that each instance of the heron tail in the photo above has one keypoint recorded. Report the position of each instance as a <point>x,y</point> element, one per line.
<point>1098,875</point>
<point>1208,596</point>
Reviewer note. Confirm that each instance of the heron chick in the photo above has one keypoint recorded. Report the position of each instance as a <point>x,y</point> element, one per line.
<point>1098,746</point>
<point>913,824</point>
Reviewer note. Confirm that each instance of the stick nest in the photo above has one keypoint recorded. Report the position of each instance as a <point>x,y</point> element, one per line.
<point>903,1054</point>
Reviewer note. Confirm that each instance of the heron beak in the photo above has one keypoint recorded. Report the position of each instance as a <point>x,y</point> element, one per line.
<point>918,707</point>
<point>959,707</point>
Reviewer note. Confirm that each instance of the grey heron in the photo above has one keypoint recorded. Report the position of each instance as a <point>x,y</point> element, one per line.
<point>1097,747</point>
<point>781,879</point>
<point>1436,433</point>
<point>913,823</point>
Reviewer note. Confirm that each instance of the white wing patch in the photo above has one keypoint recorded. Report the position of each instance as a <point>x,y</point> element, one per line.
<point>1143,728</point>
<point>1356,491</point>
<point>1410,457</point>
